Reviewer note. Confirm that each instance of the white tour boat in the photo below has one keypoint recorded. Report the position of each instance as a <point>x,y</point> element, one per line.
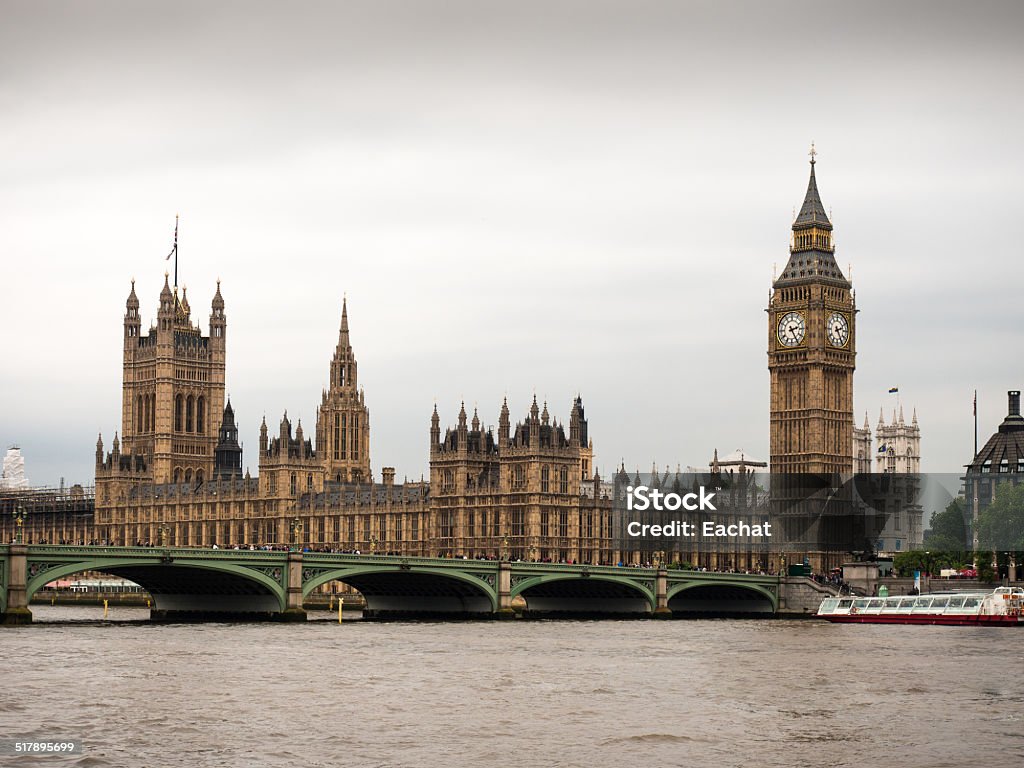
<point>1003,607</point>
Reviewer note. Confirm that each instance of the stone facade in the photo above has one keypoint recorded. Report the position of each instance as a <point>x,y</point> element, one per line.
<point>811,351</point>
<point>177,477</point>
<point>523,491</point>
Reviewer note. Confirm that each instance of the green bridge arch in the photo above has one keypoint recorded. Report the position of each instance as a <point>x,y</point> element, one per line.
<point>483,584</point>
<point>677,589</point>
<point>581,582</point>
<point>135,569</point>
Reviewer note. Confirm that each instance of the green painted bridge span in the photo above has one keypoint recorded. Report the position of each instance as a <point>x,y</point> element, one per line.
<point>226,583</point>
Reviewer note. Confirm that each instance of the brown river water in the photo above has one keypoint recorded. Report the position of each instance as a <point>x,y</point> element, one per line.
<point>534,693</point>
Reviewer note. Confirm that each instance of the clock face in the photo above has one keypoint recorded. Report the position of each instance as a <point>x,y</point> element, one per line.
<point>791,329</point>
<point>837,329</point>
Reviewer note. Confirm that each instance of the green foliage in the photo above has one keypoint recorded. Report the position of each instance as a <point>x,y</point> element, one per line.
<point>986,573</point>
<point>949,530</point>
<point>681,567</point>
<point>1001,524</point>
<point>927,561</point>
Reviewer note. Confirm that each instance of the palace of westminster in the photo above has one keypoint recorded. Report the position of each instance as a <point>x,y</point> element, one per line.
<point>530,490</point>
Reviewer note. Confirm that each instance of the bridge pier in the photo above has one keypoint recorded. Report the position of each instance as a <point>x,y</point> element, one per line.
<point>16,609</point>
<point>505,591</point>
<point>293,610</point>
<point>661,609</point>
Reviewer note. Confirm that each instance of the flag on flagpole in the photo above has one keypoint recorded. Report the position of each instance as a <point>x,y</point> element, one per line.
<point>894,390</point>
<point>975,402</point>
<point>175,248</point>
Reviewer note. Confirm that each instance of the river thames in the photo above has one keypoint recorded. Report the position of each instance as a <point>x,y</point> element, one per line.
<point>556,693</point>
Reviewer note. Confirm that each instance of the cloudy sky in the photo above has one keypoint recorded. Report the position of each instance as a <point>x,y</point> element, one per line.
<point>525,197</point>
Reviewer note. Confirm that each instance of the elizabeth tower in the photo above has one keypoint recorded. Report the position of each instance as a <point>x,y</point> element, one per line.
<point>811,351</point>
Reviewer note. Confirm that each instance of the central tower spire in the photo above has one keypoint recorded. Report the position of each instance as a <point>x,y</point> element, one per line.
<point>343,424</point>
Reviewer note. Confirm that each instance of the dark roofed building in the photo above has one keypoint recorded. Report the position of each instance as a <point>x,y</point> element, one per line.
<point>1001,459</point>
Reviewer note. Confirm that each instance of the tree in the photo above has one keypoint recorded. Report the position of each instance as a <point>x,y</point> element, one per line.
<point>948,530</point>
<point>1001,523</point>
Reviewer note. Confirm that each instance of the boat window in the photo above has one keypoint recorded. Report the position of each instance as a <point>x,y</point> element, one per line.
<point>892,602</point>
<point>874,603</point>
<point>956,602</point>
<point>829,605</point>
<point>940,602</point>
<point>907,602</point>
<point>845,603</point>
<point>922,602</point>
<point>860,604</point>
<point>970,602</point>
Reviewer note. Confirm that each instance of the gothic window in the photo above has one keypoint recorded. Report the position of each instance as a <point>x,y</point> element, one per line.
<point>483,523</point>
<point>189,409</point>
<point>179,406</point>
<point>293,484</point>
<point>399,528</point>
<point>355,437</point>
<point>199,477</point>
<point>517,522</point>
<point>351,529</point>
<point>470,525</point>
<point>188,475</point>
<point>177,475</point>
<point>138,414</point>
<point>200,416</point>
<point>337,432</point>
<point>415,527</point>
<point>344,437</point>
<point>366,528</point>
<point>545,523</point>
<point>273,482</point>
<point>382,527</point>
<point>545,474</point>
<point>563,524</point>
<point>563,480</point>
<point>309,482</point>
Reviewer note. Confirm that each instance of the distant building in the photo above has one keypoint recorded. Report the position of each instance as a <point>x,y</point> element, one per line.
<point>898,454</point>
<point>1001,460</point>
<point>13,476</point>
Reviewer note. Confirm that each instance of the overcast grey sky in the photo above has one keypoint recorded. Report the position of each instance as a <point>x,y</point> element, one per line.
<point>516,197</point>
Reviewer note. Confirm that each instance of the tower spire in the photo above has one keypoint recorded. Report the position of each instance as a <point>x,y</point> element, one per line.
<point>812,212</point>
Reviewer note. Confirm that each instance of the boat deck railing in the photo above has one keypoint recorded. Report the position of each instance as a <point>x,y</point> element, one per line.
<point>962,603</point>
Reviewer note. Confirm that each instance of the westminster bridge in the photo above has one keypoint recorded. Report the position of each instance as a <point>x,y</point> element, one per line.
<point>190,583</point>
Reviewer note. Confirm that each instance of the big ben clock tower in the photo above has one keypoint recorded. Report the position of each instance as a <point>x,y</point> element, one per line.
<point>811,351</point>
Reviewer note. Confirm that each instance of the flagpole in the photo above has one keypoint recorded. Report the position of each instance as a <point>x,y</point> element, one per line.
<point>175,252</point>
<point>975,423</point>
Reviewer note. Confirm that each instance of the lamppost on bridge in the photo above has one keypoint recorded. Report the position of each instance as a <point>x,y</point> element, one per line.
<point>19,524</point>
<point>373,545</point>
<point>505,555</point>
<point>296,529</point>
<point>163,531</point>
